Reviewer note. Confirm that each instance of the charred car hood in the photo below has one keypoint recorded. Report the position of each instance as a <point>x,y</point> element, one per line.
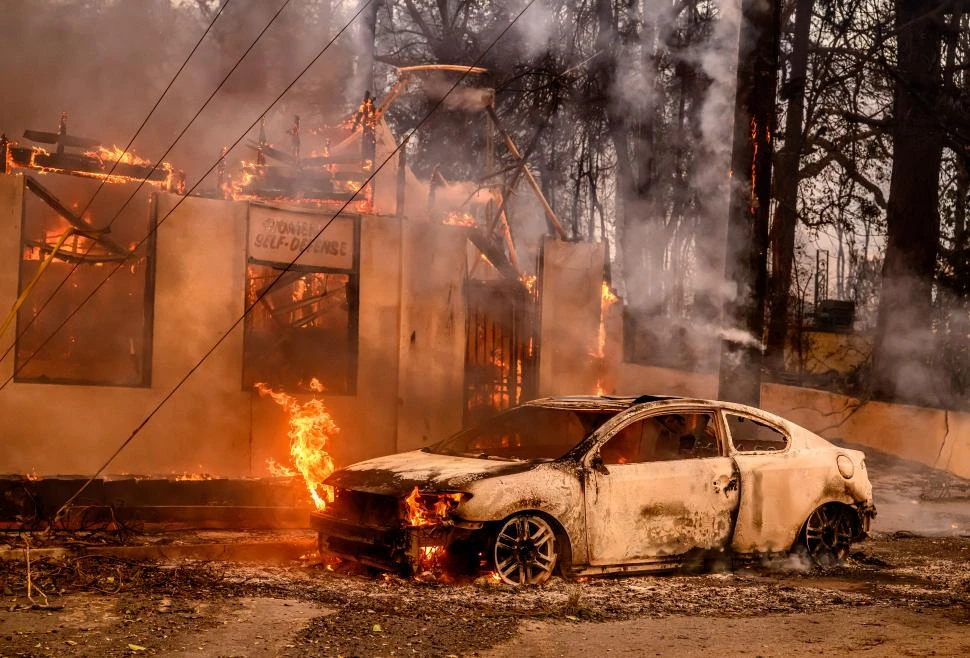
<point>397,475</point>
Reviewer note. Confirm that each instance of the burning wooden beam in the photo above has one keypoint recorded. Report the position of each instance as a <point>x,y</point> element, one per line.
<point>551,217</point>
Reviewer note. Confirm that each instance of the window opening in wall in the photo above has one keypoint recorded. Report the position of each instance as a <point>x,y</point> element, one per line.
<point>305,327</point>
<point>108,341</point>
<point>500,348</point>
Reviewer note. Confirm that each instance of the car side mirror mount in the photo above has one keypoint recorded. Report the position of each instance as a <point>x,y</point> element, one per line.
<point>597,465</point>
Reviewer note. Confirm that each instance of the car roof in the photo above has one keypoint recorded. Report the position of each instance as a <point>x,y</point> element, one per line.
<point>594,402</point>
<point>618,403</point>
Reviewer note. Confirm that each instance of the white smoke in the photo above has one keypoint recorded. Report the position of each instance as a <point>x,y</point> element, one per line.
<point>536,29</point>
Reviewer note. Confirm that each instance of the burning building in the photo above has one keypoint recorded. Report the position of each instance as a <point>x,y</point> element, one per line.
<point>314,306</point>
<point>408,315</point>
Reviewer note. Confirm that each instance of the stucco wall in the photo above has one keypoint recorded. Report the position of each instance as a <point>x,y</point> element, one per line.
<point>73,429</point>
<point>432,334</point>
<point>935,437</point>
<point>211,425</point>
<point>571,290</point>
<point>11,209</point>
<point>368,418</point>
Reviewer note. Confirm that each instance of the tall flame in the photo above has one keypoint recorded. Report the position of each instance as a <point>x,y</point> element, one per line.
<point>311,429</point>
<point>607,299</point>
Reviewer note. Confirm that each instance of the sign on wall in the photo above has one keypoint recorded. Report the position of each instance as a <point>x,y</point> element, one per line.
<point>276,236</point>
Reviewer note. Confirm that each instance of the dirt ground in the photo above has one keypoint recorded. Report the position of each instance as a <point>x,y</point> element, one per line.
<point>905,591</point>
<point>894,596</point>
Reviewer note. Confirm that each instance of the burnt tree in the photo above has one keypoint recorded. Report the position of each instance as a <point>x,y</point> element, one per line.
<point>904,340</point>
<point>739,377</point>
<point>782,235</point>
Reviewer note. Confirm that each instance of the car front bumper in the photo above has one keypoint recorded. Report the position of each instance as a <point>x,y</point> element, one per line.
<point>396,548</point>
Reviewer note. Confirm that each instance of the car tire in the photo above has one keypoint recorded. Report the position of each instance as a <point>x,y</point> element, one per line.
<point>827,534</point>
<point>524,550</point>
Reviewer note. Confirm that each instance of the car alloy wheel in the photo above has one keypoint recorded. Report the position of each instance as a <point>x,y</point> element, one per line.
<point>525,550</point>
<point>828,533</point>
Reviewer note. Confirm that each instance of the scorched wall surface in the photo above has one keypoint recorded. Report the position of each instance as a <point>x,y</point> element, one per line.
<point>212,424</point>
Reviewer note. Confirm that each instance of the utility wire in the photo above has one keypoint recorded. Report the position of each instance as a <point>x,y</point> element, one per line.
<point>296,258</point>
<point>158,224</point>
<point>142,182</point>
<point>114,165</point>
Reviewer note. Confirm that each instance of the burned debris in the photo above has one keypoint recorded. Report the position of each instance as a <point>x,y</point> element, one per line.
<point>113,165</point>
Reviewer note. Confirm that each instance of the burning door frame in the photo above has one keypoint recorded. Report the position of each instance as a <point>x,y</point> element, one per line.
<point>501,348</point>
<point>301,227</point>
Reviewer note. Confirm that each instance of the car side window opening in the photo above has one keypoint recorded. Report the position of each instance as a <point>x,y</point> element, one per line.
<point>663,438</point>
<point>748,435</point>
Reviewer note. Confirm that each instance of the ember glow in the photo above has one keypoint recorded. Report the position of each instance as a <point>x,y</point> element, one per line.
<point>530,282</point>
<point>430,557</point>
<point>114,154</point>
<point>192,477</point>
<point>311,429</point>
<point>459,219</point>
<point>96,164</point>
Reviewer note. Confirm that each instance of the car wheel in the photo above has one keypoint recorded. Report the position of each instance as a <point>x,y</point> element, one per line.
<point>524,551</point>
<point>827,535</point>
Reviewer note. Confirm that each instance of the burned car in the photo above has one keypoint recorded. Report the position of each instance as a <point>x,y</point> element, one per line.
<point>593,485</point>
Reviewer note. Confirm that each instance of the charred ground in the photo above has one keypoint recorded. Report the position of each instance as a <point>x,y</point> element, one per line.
<point>906,591</point>
<point>105,605</point>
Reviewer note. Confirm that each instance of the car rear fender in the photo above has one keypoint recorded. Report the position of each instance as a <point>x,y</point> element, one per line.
<point>779,491</point>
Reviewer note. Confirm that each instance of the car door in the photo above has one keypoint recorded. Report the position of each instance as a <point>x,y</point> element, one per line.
<point>780,485</point>
<point>659,484</point>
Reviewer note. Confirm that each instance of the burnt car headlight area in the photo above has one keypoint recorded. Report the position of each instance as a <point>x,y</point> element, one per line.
<point>408,534</point>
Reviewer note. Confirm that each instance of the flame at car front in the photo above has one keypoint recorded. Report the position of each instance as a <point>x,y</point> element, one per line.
<point>429,508</point>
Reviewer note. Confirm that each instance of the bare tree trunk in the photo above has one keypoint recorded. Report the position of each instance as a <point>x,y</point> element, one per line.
<point>747,235</point>
<point>782,235</point>
<point>960,207</point>
<point>904,342</point>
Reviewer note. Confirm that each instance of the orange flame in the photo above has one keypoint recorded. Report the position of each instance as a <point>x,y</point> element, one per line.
<point>459,219</point>
<point>311,428</point>
<point>419,512</point>
<point>110,155</point>
<point>607,299</point>
<point>107,157</point>
<point>530,282</point>
<point>192,477</point>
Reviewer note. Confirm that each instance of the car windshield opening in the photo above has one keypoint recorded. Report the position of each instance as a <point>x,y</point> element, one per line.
<point>525,433</point>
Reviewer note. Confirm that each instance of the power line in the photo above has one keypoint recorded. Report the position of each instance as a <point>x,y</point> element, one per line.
<point>158,224</point>
<point>158,102</point>
<point>142,182</point>
<point>292,263</point>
